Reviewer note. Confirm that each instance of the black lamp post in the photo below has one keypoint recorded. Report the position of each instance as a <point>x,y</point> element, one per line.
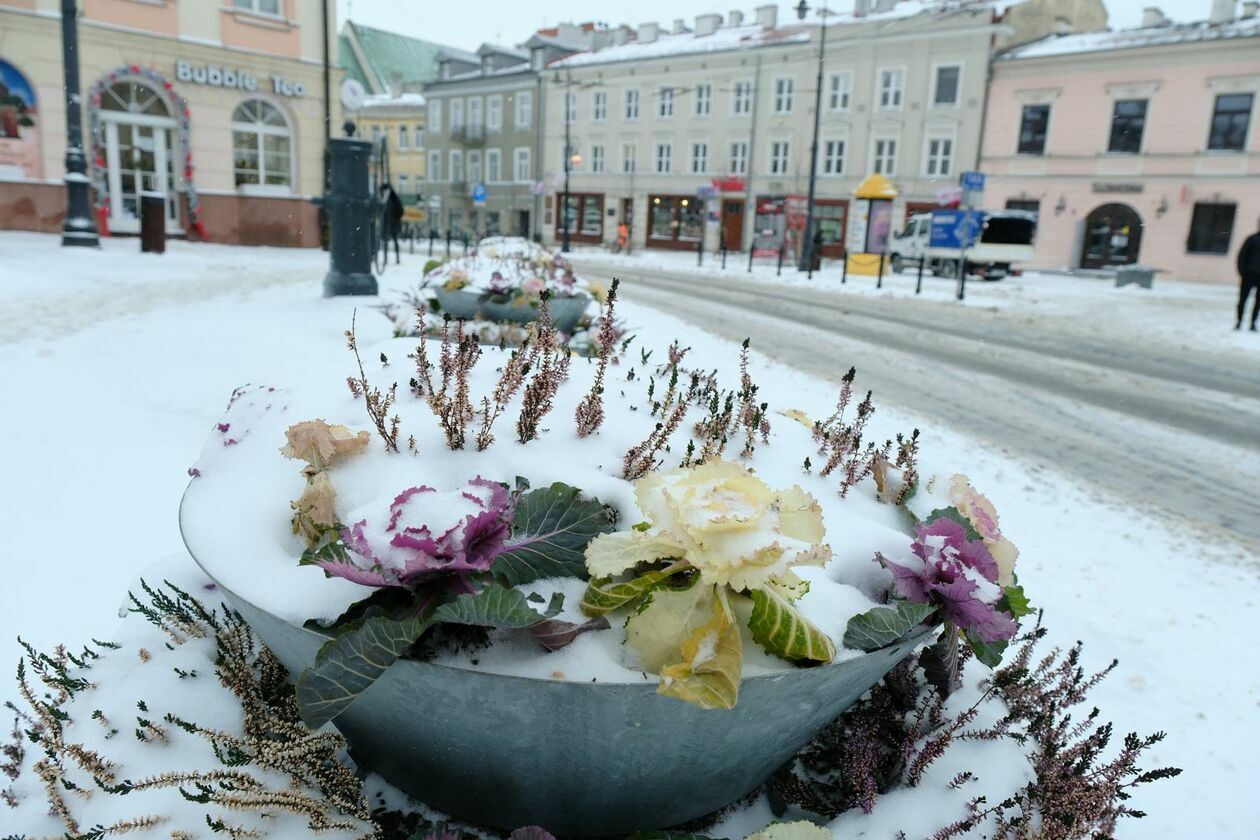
<point>807,251</point>
<point>563,215</point>
<point>79,229</point>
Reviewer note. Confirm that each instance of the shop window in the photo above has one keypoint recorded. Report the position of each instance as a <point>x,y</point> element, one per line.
<point>1230,118</point>
<point>1033,125</point>
<point>584,216</point>
<point>1128,121</point>
<point>675,221</point>
<point>262,144</point>
<point>830,219</point>
<point>1211,228</point>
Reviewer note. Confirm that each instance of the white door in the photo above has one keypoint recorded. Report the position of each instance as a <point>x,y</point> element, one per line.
<point>138,154</point>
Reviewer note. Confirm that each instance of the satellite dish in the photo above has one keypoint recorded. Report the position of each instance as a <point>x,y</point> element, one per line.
<point>352,94</point>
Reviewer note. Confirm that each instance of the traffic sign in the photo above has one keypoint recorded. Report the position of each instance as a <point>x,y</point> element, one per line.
<point>973,181</point>
<point>955,228</point>
<point>479,194</point>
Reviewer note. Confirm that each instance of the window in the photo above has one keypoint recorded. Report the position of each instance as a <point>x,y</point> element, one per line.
<point>494,165</point>
<point>940,156</point>
<point>524,109</point>
<point>830,218</point>
<point>404,137</point>
<point>261,145</point>
<point>784,90</point>
<point>404,185</point>
<point>945,88</point>
<point>780,154</point>
<point>1210,228</point>
<point>699,158</point>
<point>664,152</point>
<point>583,215</point>
<point>675,221</point>
<point>435,166</point>
<point>457,114</point>
<point>739,158</point>
<point>891,84</point>
<point>1032,129</point>
<point>599,107</point>
<point>741,98</point>
<point>418,138</point>
<point>435,116</point>
<point>262,7</point>
<point>494,113</point>
<point>1128,120</point>
<point>376,133</point>
<point>474,166</point>
<point>833,157</point>
<point>1230,119</point>
<point>665,108</point>
<point>521,166</point>
<point>885,156</point>
<point>456,165</point>
<point>570,107</point>
<point>629,156</point>
<point>704,100</point>
<point>632,104</point>
<point>597,158</point>
<point>475,121</point>
<point>839,91</point>
<point>1030,205</point>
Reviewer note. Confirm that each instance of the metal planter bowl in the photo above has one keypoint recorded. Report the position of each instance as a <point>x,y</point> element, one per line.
<point>577,758</point>
<point>468,305</point>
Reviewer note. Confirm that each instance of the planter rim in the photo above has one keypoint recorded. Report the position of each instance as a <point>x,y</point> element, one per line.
<point>464,290</point>
<point>646,685</point>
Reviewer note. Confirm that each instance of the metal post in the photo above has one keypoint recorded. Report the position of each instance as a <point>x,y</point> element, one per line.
<point>432,233</point>
<point>700,250</point>
<point>807,252</point>
<point>465,243</point>
<point>79,229</point>
<point>879,277</point>
<point>448,243</point>
<point>962,255</point>
<point>564,205</point>
<point>750,255</point>
<point>724,250</point>
<point>844,272</point>
<point>918,284</point>
<point>779,271</point>
<point>350,205</point>
<point>750,200</point>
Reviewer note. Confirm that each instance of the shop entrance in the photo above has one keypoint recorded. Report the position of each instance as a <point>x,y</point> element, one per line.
<point>733,223</point>
<point>140,153</point>
<point>1113,235</point>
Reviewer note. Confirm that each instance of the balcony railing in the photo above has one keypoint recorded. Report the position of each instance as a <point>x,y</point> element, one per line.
<point>469,135</point>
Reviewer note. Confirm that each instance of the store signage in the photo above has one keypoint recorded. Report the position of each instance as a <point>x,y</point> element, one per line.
<point>212,75</point>
<point>1107,187</point>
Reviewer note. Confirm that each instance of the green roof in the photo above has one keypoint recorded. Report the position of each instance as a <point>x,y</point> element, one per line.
<point>386,54</point>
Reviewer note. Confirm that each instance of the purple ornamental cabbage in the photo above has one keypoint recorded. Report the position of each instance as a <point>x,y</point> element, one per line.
<point>499,284</point>
<point>428,535</point>
<point>956,574</point>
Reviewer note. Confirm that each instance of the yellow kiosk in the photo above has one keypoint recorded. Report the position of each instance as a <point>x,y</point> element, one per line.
<point>870,225</point>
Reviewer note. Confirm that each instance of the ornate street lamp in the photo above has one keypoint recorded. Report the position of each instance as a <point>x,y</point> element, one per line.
<point>807,251</point>
<point>79,229</point>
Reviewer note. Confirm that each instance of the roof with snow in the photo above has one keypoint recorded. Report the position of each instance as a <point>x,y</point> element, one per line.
<point>387,102</point>
<point>1150,36</point>
<point>374,57</point>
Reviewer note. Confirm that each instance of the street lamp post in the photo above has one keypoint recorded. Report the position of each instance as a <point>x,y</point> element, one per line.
<point>563,215</point>
<point>78,229</point>
<point>807,251</point>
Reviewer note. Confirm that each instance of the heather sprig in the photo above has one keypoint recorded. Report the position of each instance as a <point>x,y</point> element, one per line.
<point>376,401</point>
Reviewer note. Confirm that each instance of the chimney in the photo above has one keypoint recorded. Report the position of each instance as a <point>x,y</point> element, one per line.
<point>1250,7</point>
<point>735,18</point>
<point>767,16</point>
<point>621,35</point>
<point>680,26</point>
<point>861,8</point>
<point>1152,16</point>
<point>1222,11</point>
<point>1062,26</point>
<point>648,32</point>
<point>885,5</point>
<point>707,24</point>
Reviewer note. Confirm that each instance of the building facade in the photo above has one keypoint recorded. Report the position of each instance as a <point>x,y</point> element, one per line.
<point>704,133</point>
<point>216,106</point>
<point>1136,146</point>
<point>484,130</point>
<point>397,122</point>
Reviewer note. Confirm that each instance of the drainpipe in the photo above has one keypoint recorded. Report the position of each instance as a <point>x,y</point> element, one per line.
<point>750,201</point>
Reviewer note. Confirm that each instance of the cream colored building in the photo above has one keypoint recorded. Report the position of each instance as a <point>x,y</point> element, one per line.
<point>399,121</point>
<point>703,130</point>
<point>216,105</point>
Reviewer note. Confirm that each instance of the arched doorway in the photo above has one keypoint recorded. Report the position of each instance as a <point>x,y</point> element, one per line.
<point>140,152</point>
<point>1113,236</point>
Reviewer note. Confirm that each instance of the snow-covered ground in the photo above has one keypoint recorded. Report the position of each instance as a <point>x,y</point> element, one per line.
<point>115,365</point>
<point>1178,313</point>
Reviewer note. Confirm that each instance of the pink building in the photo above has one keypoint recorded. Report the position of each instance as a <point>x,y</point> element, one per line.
<point>1135,146</point>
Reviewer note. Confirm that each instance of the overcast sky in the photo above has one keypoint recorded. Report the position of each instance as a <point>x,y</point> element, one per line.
<point>469,23</point>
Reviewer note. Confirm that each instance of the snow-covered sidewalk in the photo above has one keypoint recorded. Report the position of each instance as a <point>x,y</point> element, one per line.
<point>108,408</point>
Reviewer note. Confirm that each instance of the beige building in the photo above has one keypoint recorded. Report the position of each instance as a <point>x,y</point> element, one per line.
<point>704,131</point>
<point>216,106</point>
<point>398,120</point>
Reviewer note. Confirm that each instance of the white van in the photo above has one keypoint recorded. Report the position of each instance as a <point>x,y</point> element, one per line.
<point>1006,239</point>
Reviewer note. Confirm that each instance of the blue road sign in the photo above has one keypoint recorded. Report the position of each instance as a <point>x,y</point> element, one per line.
<point>955,228</point>
<point>973,181</point>
<point>479,194</point>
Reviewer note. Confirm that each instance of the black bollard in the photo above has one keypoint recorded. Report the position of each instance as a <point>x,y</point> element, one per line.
<point>750,256</point>
<point>465,243</point>
<point>879,277</point>
<point>350,205</point>
<point>918,284</point>
<point>844,272</point>
<point>779,271</point>
<point>448,243</point>
<point>700,250</point>
<point>724,253</point>
<point>432,233</point>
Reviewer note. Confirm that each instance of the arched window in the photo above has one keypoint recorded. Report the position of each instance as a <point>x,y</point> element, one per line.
<point>262,145</point>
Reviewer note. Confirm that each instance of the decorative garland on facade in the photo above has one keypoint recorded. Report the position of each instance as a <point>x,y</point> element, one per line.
<point>183,123</point>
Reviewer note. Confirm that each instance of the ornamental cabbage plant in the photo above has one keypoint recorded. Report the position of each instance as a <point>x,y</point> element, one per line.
<point>717,542</point>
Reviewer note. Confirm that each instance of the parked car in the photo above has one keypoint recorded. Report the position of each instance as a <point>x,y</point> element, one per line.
<point>1006,239</point>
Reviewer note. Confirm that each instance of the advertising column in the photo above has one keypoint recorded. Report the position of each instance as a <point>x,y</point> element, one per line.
<point>870,225</point>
